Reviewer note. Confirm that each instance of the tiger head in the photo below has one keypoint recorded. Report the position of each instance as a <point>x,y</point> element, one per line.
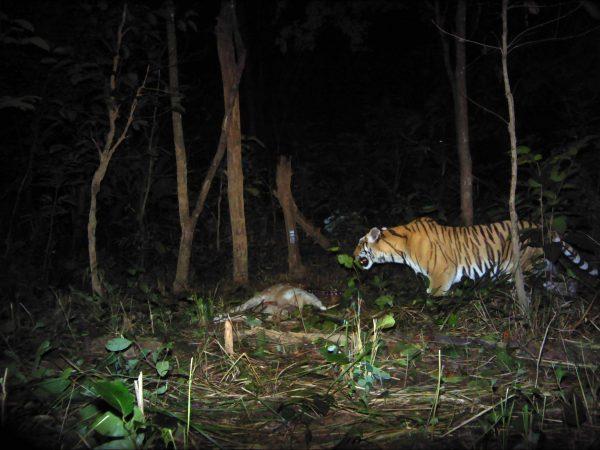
<point>379,246</point>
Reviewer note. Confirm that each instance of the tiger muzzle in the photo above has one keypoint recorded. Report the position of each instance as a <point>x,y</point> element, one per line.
<point>363,262</point>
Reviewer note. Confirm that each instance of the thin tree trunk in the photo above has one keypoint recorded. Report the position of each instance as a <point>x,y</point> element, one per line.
<point>522,297</point>
<point>226,29</point>
<point>97,287</point>
<point>188,221</point>
<point>188,225</point>
<point>461,115</point>
<point>111,144</point>
<point>284,195</point>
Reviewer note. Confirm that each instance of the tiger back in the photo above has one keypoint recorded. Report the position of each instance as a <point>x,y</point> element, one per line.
<point>445,254</point>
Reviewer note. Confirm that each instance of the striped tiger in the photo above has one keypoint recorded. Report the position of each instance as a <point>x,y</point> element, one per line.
<point>445,254</point>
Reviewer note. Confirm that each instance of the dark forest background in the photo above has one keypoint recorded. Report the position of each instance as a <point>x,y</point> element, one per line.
<point>355,92</point>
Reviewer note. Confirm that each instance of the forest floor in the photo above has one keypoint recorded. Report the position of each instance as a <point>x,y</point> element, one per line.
<point>395,370</point>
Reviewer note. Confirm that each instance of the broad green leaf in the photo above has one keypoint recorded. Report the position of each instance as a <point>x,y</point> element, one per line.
<point>108,424</point>
<point>384,300</point>
<point>345,260</point>
<point>116,394</point>
<point>118,344</point>
<point>118,444</point>
<point>138,416</point>
<point>87,412</point>
<point>533,183</point>
<point>162,389</point>
<point>557,176</point>
<point>132,363</point>
<point>162,368</point>
<point>333,249</point>
<point>53,386</point>
<point>523,150</point>
<point>386,322</point>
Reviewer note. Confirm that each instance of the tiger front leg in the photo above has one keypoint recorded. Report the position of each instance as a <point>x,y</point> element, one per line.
<point>440,284</point>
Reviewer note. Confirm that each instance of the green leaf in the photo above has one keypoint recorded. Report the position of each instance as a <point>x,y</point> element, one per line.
<point>332,354</point>
<point>138,416</point>
<point>87,412</point>
<point>108,424</point>
<point>557,176</point>
<point>386,322</point>
<point>559,224</point>
<point>409,351</point>
<point>43,348</point>
<point>533,183</point>
<point>334,249</point>
<point>162,368</point>
<point>162,389</point>
<point>523,150</point>
<point>559,373</point>
<point>118,444</point>
<point>384,300</point>
<point>116,394</point>
<point>53,386</point>
<point>345,260</point>
<point>453,379</point>
<point>118,344</point>
<point>452,320</point>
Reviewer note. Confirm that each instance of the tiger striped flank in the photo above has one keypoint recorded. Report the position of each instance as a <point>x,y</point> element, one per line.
<point>446,254</point>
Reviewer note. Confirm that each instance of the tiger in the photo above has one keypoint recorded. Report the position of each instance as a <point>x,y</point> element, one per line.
<point>444,254</point>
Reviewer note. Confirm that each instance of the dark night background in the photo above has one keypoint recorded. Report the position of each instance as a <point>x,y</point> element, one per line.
<point>355,92</point>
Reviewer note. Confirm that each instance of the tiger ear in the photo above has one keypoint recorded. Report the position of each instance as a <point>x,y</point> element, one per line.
<point>373,235</point>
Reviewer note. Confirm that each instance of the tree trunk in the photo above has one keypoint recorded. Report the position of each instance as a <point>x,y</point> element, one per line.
<point>284,195</point>
<point>461,115</point>
<point>97,287</point>
<point>111,144</point>
<point>188,221</point>
<point>226,29</point>
<point>309,228</point>
<point>522,297</point>
<point>180,284</point>
<point>184,256</point>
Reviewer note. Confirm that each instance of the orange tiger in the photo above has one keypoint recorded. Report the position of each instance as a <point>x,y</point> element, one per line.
<point>445,254</point>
